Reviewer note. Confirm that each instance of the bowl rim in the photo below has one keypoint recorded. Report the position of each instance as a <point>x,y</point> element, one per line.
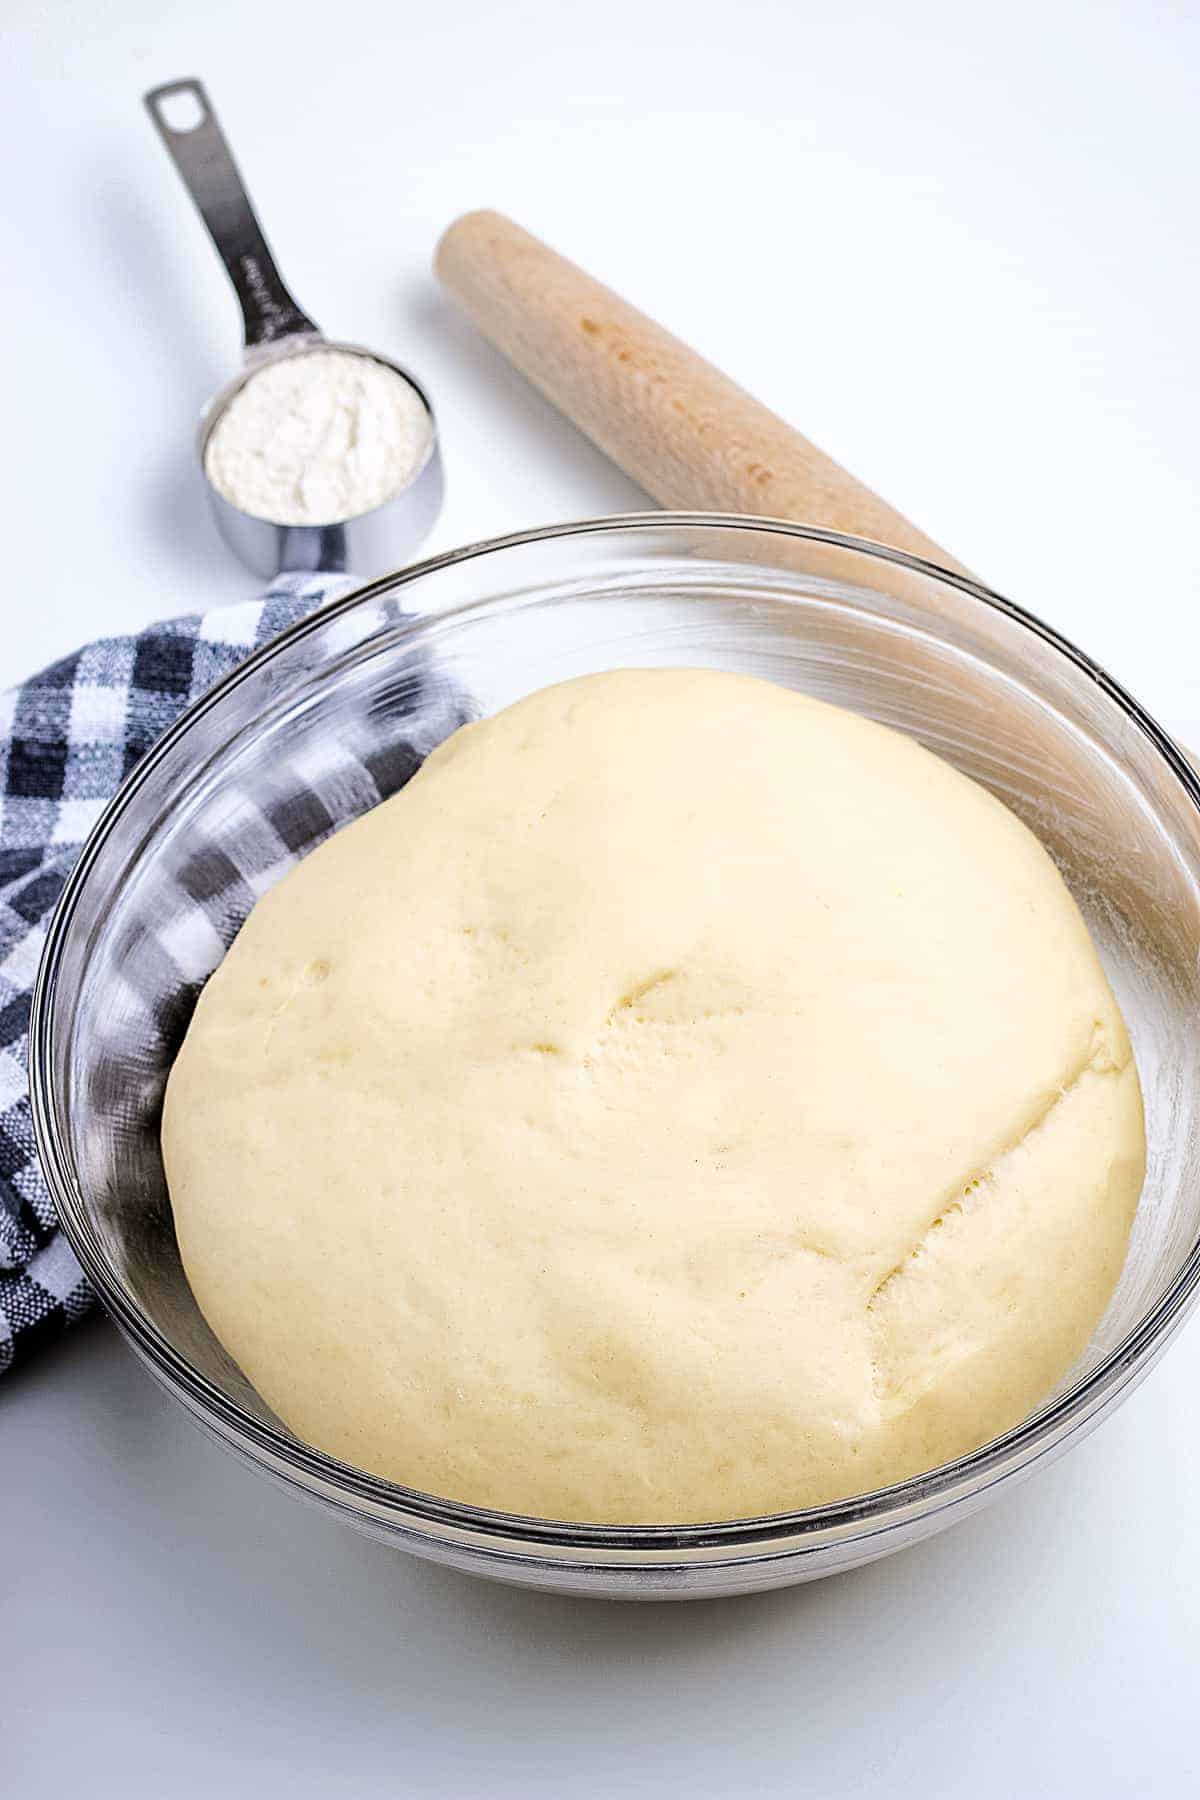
<point>501,1534</point>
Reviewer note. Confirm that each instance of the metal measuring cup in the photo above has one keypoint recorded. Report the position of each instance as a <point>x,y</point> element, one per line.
<point>369,543</point>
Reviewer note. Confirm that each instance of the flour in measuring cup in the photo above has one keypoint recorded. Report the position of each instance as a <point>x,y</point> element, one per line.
<point>318,437</point>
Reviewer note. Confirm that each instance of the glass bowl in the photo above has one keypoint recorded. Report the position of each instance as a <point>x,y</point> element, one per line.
<point>339,711</point>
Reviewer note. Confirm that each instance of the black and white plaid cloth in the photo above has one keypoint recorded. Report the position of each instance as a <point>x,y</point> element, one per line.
<point>68,738</point>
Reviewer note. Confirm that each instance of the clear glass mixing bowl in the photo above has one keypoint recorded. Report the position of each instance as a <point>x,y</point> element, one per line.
<point>339,711</point>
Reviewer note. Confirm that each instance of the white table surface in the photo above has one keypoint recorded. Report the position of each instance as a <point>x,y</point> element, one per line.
<point>958,246</point>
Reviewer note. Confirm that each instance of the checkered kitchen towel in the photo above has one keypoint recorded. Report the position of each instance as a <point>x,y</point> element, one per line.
<point>68,738</point>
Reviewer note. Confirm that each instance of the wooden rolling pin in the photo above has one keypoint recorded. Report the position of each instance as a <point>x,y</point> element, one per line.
<point>686,433</point>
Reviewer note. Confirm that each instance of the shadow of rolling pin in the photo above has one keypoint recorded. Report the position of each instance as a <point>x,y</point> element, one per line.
<point>684,431</point>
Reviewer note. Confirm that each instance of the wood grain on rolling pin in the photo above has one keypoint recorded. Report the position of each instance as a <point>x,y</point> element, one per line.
<point>686,433</point>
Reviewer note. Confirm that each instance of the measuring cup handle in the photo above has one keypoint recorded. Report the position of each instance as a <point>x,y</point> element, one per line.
<point>205,161</point>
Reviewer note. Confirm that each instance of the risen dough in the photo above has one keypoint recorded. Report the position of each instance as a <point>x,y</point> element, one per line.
<point>684,1100</point>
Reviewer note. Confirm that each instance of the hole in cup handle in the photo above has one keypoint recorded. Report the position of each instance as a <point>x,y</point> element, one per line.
<point>179,107</point>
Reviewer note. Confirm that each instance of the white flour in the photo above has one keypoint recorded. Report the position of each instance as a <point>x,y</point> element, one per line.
<point>318,437</point>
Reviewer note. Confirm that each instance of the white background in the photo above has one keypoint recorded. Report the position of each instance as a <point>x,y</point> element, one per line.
<point>957,245</point>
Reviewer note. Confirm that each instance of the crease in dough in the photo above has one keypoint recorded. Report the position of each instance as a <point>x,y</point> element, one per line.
<point>1099,1061</point>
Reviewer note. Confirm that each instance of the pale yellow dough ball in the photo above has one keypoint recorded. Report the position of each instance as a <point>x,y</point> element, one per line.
<point>683,1101</point>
